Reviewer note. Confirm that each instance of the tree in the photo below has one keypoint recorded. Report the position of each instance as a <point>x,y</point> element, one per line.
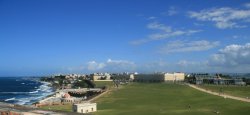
<point>81,84</point>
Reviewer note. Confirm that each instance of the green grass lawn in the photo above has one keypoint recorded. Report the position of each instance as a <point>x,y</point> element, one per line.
<point>67,107</point>
<point>240,91</point>
<point>167,99</point>
<point>161,98</point>
<point>104,83</point>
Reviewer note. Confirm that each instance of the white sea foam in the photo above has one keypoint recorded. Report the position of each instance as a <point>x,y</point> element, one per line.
<point>33,92</point>
<point>14,92</point>
<point>9,99</point>
<point>23,101</point>
<point>41,92</point>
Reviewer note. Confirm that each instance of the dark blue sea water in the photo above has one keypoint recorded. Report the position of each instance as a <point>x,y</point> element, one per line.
<point>23,90</point>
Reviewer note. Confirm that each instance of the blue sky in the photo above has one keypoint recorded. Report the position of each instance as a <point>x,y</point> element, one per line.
<point>43,37</point>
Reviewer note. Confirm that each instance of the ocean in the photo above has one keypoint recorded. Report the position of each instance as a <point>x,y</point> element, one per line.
<point>23,90</point>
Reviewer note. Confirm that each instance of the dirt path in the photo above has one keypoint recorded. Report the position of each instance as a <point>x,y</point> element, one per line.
<point>219,94</point>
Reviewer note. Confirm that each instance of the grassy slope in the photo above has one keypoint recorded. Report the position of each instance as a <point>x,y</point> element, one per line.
<point>67,107</point>
<point>240,91</point>
<point>154,99</point>
<point>104,83</point>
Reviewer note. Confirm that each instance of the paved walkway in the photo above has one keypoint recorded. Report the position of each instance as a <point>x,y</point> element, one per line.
<point>219,94</point>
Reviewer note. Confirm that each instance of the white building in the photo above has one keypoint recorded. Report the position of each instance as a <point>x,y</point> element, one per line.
<point>174,76</point>
<point>131,76</point>
<point>101,77</point>
<point>60,94</point>
<point>107,75</point>
<point>84,107</point>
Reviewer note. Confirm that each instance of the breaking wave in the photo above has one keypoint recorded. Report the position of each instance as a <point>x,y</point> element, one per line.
<point>27,98</point>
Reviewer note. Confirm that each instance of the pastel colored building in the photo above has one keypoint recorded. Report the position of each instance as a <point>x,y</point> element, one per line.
<point>100,77</point>
<point>84,107</point>
<point>174,76</point>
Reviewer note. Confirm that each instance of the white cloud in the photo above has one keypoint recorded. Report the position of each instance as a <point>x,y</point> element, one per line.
<point>93,65</point>
<point>179,66</point>
<point>111,65</point>
<point>155,66</point>
<point>247,5</point>
<point>185,63</point>
<point>192,66</point>
<point>190,46</point>
<point>232,56</point>
<point>119,62</point>
<point>159,36</point>
<point>239,37</point>
<point>172,11</point>
<point>140,41</point>
<point>224,17</point>
<point>236,36</point>
<point>158,26</point>
<point>198,24</point>
<point>151,18</point>
<point>78,68</point>
<point>164,33</point>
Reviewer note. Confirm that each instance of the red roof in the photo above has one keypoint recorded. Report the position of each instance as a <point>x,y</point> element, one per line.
<point>66,95</point>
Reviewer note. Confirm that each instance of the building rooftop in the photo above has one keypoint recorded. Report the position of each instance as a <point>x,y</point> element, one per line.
<point>85,104</point>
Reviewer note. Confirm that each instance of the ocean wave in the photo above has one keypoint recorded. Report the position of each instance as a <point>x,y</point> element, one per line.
<point>23,101</point>
<point>14,92</point>
<point>41,92</point>
<point>10,99</point>
<point>33,92</point>
<point>31,99</point>
<point>36,92</point>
